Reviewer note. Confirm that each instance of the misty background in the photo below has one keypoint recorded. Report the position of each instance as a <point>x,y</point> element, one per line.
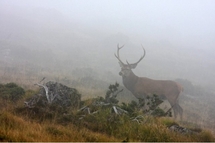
<point>64,36</point>
<point>73,42</point>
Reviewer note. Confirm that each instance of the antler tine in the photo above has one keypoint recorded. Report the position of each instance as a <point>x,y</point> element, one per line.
<point>117,56</point>
<point>118,48</point>
<point>140,57</point>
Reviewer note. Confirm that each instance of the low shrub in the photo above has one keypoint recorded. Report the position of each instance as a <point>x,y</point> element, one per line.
<point>11,91</point>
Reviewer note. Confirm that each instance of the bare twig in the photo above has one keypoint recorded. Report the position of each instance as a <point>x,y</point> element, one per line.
<point>122,110</point>
<point>115,110</point>
<point>42,79</point>
<point>46,90</point>
<point>137,119</point>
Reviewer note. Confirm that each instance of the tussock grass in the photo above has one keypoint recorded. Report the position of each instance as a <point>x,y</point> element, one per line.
<point>16,129</point>
<point>152,130</point>
<point>116,128</point>
<point>18,125</point>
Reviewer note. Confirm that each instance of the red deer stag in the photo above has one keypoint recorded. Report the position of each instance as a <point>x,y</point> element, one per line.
<point>141,87</point>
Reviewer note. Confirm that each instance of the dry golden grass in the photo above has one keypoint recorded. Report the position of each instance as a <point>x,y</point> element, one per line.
<point>16,129</point>
<point>19,128</point>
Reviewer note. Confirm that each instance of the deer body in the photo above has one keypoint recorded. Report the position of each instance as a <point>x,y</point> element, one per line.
<point>145,86</point>
<point>141,87</point>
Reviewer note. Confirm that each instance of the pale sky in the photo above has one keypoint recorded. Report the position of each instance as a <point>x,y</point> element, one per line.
<point>165,18</point>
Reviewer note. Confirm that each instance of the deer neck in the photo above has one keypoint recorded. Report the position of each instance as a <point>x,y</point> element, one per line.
<point>130,81</point>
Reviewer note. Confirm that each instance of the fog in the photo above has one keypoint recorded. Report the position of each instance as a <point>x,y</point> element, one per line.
<point>178,37</point>
<point>73,42</point>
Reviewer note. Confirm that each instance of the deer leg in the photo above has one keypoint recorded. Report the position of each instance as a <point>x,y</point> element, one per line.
<point>180,110</point>
<point>174,107</point>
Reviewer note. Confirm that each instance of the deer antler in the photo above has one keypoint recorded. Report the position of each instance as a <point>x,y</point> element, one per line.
<point>135,64</point>
<point>117,56</point>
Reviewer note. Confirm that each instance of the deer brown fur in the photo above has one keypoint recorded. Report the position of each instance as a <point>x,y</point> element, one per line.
<point>142,86</point>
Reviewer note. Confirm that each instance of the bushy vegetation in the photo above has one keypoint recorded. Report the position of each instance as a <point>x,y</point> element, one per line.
<point>11,91</point>
<point>95,120</point>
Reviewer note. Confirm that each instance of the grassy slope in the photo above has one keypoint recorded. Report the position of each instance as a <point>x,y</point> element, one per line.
<point>19,127</point>
<point>16,127</point>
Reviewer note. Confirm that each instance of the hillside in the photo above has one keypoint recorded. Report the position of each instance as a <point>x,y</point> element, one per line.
<point>19,123</point>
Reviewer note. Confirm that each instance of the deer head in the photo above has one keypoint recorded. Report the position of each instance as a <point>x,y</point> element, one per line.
<point>126,69</point>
